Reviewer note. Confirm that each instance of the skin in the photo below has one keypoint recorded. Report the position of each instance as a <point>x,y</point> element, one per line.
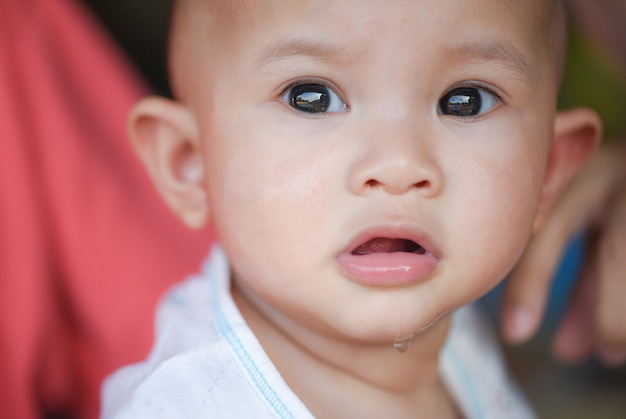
<point>595,321</point>
<point>290,192</point>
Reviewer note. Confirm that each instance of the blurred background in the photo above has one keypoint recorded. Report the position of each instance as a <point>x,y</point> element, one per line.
<point>71,179</point>
<point>140,29</point>
<point>593,78</point>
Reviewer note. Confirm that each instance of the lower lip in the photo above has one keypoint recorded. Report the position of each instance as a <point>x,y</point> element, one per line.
<point>387,269</point>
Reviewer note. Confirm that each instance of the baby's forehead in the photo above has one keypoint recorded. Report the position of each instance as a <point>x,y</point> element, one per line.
<point>540,16</point>
<point>214,17</point>
<point>240,7</point>
<point>206,24</point>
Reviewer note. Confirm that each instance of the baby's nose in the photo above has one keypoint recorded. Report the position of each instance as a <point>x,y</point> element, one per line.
<point>397,163</point>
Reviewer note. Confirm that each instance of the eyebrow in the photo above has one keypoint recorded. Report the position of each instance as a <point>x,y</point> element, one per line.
<point>503,53</point>
<point>297,47</point>
<point>499,52</point>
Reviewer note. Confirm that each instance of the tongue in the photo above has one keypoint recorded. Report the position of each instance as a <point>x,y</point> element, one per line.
<point>383,245</point>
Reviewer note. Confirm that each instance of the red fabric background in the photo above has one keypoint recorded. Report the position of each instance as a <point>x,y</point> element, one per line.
<point>86,246</point>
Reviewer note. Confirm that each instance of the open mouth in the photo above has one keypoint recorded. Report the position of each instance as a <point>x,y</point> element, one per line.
<point>389,260</point>
<point>386,245</point>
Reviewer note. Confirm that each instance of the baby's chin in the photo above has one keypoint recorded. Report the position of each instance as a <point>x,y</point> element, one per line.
<point>389,330</point>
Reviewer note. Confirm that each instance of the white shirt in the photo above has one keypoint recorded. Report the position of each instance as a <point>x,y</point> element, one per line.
<point>207,363</point>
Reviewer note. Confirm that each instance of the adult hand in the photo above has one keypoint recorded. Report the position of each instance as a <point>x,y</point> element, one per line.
<point>595,320</point>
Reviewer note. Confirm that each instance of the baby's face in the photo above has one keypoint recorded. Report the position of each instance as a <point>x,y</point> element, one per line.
<point>371,165</point>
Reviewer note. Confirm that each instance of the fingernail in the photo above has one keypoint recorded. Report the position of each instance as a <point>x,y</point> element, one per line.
<point>521,322</point>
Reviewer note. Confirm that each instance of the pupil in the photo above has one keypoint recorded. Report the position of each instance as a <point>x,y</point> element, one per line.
<point>310,98</point>
<point>461,102</point>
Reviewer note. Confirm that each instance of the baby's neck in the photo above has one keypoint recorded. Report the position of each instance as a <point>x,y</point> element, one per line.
<point>338,378</point>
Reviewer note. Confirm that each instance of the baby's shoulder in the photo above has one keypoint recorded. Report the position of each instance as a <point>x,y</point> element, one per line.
<point>186,311</point>
<point>190,365</point>
<point>189,384</point>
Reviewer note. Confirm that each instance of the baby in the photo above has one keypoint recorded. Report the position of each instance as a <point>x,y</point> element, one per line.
<point>370,168</point>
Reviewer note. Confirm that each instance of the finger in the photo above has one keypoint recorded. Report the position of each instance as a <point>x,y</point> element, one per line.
<point>528,285</point>
<point>610,316</point>
<point>596,320</point>
<point>526,291</point>
<point>575,338</point>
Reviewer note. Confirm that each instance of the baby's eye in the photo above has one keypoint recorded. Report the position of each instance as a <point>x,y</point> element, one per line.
<point>467,102</point>
<point>314,98</point>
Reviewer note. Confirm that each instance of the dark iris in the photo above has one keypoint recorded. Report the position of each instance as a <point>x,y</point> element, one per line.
<point>463,101</point>
<point>312,98</point>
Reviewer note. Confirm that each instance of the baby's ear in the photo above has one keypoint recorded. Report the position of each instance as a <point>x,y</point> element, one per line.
<point>577,133</point>
<point>165,137</point>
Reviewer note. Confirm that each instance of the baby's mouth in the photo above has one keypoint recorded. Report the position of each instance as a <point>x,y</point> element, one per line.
<point>388,261</point>
<point>387,245</point>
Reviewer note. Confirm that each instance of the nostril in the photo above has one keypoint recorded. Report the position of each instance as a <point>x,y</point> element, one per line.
<point>372,183</point>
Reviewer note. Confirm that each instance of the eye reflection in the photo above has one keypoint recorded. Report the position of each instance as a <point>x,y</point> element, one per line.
<point>310,98</point>
<point>314,98</point>
<point>467,102</point>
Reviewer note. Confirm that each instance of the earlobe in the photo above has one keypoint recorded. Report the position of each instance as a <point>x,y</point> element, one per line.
<point>165,137</point>
<point>577,133</point>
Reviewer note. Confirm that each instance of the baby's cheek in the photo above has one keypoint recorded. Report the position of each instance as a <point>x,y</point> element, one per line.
<point>498,215</point>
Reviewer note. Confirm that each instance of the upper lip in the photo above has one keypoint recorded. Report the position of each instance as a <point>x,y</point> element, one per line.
<point>393,231</point>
